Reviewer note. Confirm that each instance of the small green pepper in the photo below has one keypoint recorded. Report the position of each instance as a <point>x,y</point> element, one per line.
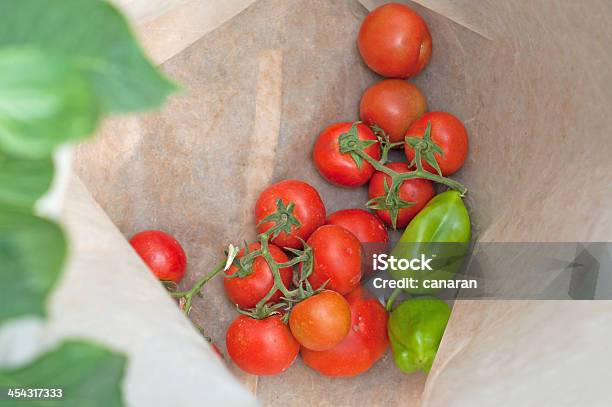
<point>440,232</point>
<point>415,330</point>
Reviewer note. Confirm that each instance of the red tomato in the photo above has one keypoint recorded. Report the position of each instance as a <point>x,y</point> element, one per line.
<point>261,346</point>
<point>309,210</point>
<point>394,41</point>
<point>449,134</point>
<point>322,321</point>
<point>337,258</point>
<point>392,104</point>
<point>416,190</point>
<point>365,344</point>
<point>366,227</point>
<point>162,253</point>
<point>340,168</point>
<point>247,291</point>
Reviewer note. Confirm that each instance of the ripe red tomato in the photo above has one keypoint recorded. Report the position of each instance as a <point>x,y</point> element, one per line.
<point>309,210</point>
<point>394,41</point>
<point>162,253</point>
<point>449,134</point>
<point>365,344</point>
<point>322,321</point>
<point>261,346</point>
<point>340,168</point>
<point>392,104</point>
<point>416,190</point>
<point>366,227</point>
<point>337,258</point>
<point>247,291</point>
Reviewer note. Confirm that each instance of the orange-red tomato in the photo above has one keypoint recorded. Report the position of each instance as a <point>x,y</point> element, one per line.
<point>340,168</point>
<point>261,346</point>
<point>392,104</point>
<point>309,210</point>
<point>337,259</point>
<point>416,190</point>
<point>322,321</point>
<point>365,344</point>
<point>247,291</point>
<point>162,253</point>
<point>449,134</point>
<point>394,41</point>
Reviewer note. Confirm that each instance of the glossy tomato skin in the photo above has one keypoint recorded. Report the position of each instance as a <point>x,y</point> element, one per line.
<point>394,41</point>
<point>162,253</point>
<point>261,347</point>
<point>322,321</point>
<point>340,168</point>
<point>337,258</point>
<point>449,134</point>
<point>247,291</point>
<point>366,227</point>
<point>365,344</point>
<point>392,104</point>
<point>416,190</point>
<point>309,210</point>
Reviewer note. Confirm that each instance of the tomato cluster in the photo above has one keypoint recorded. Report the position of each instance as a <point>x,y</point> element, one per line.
<point>395,42</point>
<point>297,288</point>
<point>319,310</point>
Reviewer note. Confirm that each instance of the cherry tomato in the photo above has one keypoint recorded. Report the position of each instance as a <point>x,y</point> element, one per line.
<point>417,190</point>
<point>247,291</point>
<point>337,258</point>
<point>341,168</point>
<point>261,346</point>
<point>365,344</point>
<point>449,134</point>
<point>366,227</point>
<point>309,210</point>
<point>162,253</point>
<point>322,321</point>
<point>392,104</point>
<point>394,41</point>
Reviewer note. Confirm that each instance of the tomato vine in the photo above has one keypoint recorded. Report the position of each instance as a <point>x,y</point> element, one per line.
<point>424,148</point>
<point>283,221</point>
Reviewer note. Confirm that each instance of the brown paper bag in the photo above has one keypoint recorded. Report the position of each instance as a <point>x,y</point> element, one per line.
<point>526,78</point>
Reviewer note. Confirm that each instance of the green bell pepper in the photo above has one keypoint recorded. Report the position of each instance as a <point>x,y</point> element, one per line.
<point>440,232</point>
<point>415,330</point>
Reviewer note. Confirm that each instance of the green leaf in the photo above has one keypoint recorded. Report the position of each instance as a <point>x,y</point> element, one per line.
<point>44,101</point>
<point>23,181</point>
<point>32,251</point>
<point>93,34</point>
<point>88,374</point>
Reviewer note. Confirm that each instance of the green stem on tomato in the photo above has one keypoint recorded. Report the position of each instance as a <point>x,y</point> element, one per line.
<point>384,156</point>
<point>278,281</point>
<point>188,295</point>
<point>418,173</point>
